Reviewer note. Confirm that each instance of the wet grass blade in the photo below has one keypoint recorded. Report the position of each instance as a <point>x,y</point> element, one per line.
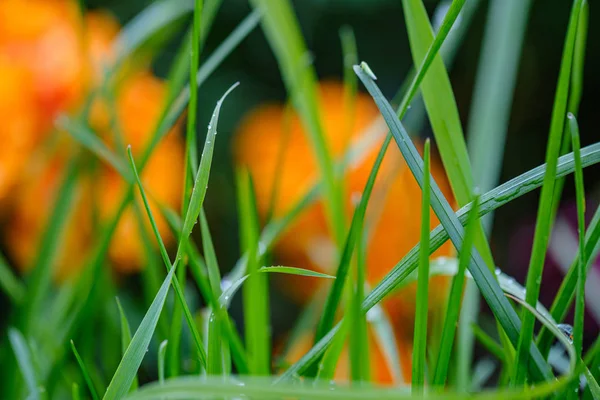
<point>256,291</point>
<point>454,301</point>
<point>422,308</point>
<point>24,360</point>
<point>484,278</point>
<point>295,271</point>
<point>130,363</point>
<point>84,372</point>
<point>544,215</point>
<point>125,338</point>
<point>578,319</point>
<point>10,284</point>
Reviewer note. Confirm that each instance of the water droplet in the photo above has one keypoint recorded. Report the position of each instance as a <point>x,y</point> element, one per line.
<point>567,330</point>
<point>498,271</point>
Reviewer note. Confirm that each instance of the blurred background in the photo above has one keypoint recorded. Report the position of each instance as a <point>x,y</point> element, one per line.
<point>382,42</point>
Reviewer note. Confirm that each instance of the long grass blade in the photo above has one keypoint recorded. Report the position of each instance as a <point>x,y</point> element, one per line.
<point>544,220</point>
<point>422,308</point>
<point>454,301</point>
<point>256,292</point>
<point>84,372</point>
<point>486,282</point>
<point>130,363</point>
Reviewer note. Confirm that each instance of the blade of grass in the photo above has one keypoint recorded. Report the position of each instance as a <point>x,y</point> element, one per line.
<point>125,339</point>
<point>262,387</point>
<point>329,361</point>
<point>544,217</point>
<point>130,363</point>
<point>24,360</point>
<point>214,275</point>
<point>283,33</point>
<point>84,372</point>
<point>581,275</point>
<point>295,271</point>
<point>10,284</point>
<point>360,361</point>
<point>162,351</point>
<point>486,282</point>
<point>422,307</point>
<point>215,346</point>
<point>256,292</point>
<point>572,107</point>
<point>495,198</point>
<point>454,300</point>
<point>190,166</point>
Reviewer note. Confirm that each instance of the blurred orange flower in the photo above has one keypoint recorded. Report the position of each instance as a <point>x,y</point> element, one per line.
<point>51,58</point>
<point>272,144</point>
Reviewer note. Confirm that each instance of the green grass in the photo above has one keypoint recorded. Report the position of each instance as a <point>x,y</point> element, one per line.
<point>187,344</point>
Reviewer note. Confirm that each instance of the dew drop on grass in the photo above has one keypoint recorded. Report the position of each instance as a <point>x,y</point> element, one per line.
<point>365,67</point>
<point>567,330</point>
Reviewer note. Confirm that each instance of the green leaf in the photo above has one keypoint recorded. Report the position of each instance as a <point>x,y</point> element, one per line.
<point>454,300</point>
<point>11,284</point>
<point>125,338</point>
<point>422,307</point>
<point>84,371</point>
<point>545,211</point>
<point>130,363</point>
<point>486,282</point>
<point>256,292</point>
<point>214,275</point>
<point>23,356</point>
<point>295,271</point>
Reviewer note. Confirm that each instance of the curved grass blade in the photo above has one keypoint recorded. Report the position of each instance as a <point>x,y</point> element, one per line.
<point>486,282</point>
<point>259,388</point>
<point>10,284</point>
<point>422,307</point>
<point>454,301</point>
<point>130,363</point>
<point>24,360</point>
<point>545,211</point>
<point>85,373</point>
<point>125,338</point>
<point>295,271</point>
<point>162,351</point>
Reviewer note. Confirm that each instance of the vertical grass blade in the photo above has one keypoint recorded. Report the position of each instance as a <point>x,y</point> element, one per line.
<point>422,308</point>
<point>256,291</point>
<point>84,372</point>
<point>544,216</point>
<point>162,351</point>
<point>24,360</point>
<point>581,270</point>
<point>359,341</point>
<point>454,300</point>
<point>125,338</point>
<point>486,282</point>
<point>283,33</point>
<point>215,348</point>
<point>130,363</point>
